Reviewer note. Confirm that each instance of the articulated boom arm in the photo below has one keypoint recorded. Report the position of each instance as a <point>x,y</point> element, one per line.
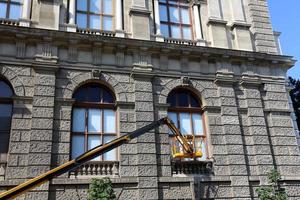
<point>99,150</point>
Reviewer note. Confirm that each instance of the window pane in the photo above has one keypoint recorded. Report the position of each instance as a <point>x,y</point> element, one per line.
<point>187,34</point>
<point>3,10</point>
<point>78,123</point>
<point>107,97</point>
<point>107,23</point>
<point>107,8</point>
<point>112,154</point>
<point>17,1</point>
<point>109,121</point>
<point>95,6</point>
<point>5,90</point>
<point>172,99</point>
<point>194,101</point>
<point>82,5</point>
<point>15,11</point>
<point>197,122</point>
<point>164,30</point>
<point>173,117</point>
<point>77,145</point>
<point>185,16</point>
<point>185,124</point>
<point>183,100</point>
<point>93,141</point>
<point>163,13</point>
<point>4,139</point>
<point>200,144</point>
<point>175,32</point>
<point>95,22</point>
<point>81,20</point>
<point>5,117</point>
<point>174,14</point>
<point>94,93</point>
<point>94,120</point>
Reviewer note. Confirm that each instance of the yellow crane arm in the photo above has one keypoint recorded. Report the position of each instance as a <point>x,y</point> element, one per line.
<point>99,150</point>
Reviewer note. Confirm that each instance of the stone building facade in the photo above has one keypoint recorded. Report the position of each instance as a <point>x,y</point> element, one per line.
<point>222,53</point>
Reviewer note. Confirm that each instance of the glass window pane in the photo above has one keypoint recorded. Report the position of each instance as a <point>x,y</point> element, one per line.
<point>201,144</point>
<point>107,97</point>
<point>78,123</point>
<point>15,11</point>
<point>164,30</point>
<point>107,8</point>
<point>82,5</point>
<point>5,90</point>
<point>5,117</point>
<point>3,7</point>
<point>183,99</point>
<point>185,16</point>
<point>185,124</point>
<point>107,23</point>
<point>163,13</point>
<point>94,120</point>
<point>17,1</point>
<point>94,93</point>
<point>187,33</point>
<point>174,14</point>
<point>93,141</point>
<point>173,117</point>
<point>197,122</point>
<point>175,31</point>
<point>77,145</point>
<point>109,121</point>
<point>81,20</point>
<point>95,22</point>
<point>95,6</point>
<point>172,99</point>
<point>112,154</point>
<point>194,101</point>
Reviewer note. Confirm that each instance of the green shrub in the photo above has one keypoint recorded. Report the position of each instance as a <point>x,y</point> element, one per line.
<point>101,189</point>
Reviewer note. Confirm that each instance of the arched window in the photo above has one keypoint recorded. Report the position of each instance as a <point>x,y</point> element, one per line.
<point>93,120</point>
<point>11,9</point>
<point>95,14</point>
<point>175,19</point>
<point>5,118</point>
<point>185,111</point>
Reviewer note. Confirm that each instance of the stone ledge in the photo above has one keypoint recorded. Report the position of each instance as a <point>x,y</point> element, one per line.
<point>68,181</point>
<point>194,178</point>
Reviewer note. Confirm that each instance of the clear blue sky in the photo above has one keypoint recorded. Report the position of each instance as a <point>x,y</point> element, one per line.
<point>285,17</point>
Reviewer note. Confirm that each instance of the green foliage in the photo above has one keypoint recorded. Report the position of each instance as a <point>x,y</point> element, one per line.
<point>101,189</point>
<point>295,96</point>
<point>272,191</point>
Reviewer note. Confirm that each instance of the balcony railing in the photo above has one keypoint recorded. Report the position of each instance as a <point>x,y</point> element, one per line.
<point>96,169</point>
<point>10,22</point>
<point>191,167</point>
<point>2,171</point>
<point>180,41</point>
<point>96,32</point>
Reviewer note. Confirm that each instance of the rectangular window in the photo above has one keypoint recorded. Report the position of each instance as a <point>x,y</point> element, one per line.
<point>95,14</point>
<point>11,9</point>
<point>175,19</point>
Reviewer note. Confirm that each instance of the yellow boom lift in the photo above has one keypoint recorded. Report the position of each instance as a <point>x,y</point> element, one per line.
<point>99,150</point>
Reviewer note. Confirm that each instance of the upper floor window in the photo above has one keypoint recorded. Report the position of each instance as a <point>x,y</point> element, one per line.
<point>175,19</point>
<point>185,111</point>
<point>11,9</point>
<point>95,14</point>
<point>93,120</point>
<point>5,118</point>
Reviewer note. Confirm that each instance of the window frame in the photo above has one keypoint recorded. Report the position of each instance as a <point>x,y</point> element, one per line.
<point>180,24</point>
<point>177,109</point>
<point>7,101</point>
<point>88,13</point>
<point>8,5</point>
<point>98,105</point>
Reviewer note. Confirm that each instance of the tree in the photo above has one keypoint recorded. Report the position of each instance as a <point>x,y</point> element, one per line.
<point>101,189</point>
<point>295,96</point>
<point>272,191</point>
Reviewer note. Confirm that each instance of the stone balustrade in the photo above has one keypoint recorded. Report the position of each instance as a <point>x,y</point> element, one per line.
<point>2,171</point>
<point>97,169</point>
<point>180,41</point>
<point>96,32</point>
<point>191,167</point>
<point>9,22</point>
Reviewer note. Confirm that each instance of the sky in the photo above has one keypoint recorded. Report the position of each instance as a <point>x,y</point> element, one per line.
<point>285,18</point>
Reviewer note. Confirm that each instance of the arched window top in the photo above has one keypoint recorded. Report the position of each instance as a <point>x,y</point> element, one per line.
<point>5,90</point>
<point>183,98</point>
<point>94,93</point>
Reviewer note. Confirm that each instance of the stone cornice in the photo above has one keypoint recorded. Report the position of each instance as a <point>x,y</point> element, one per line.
<point>63,38</point>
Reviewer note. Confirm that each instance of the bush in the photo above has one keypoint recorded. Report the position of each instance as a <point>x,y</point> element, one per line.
<point>101,189</point>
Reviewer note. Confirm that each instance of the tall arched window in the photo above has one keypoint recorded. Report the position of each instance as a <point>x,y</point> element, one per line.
<point>93,120</point>
<point>5,118</point>
<point>185,111</point>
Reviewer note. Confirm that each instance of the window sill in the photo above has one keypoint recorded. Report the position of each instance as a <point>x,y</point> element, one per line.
<point>96,32</point>
<point>96,169</point>
<point>180,41</point>
<point>10,22</point>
